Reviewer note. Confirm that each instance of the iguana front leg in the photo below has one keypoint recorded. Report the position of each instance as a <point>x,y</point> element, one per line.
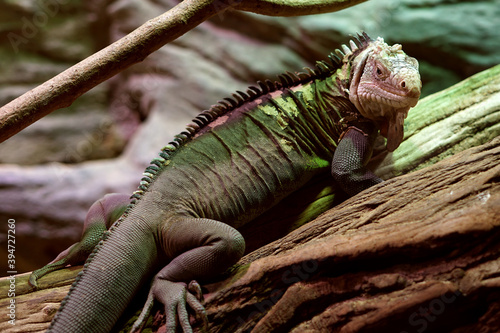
<point>101,215</point>
<point>200,248</point>
<point>350,158</point>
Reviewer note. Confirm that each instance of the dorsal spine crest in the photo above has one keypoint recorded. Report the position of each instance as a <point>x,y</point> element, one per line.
<point>286,80</point>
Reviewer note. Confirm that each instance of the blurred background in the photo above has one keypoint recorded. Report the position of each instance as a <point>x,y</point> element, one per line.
<point>51,172</point>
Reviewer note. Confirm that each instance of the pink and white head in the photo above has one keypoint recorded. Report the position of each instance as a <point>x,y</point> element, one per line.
<point>385,84</point>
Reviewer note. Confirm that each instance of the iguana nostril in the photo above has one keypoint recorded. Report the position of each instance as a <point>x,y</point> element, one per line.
<point>412,87</point>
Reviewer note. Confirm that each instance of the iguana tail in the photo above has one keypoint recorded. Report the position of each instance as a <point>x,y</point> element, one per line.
<point>122,262</point>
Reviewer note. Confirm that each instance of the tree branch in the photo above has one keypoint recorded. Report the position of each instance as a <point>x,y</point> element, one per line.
<point>62,90</point>
<point>372,263</point>
<point>293,7</point>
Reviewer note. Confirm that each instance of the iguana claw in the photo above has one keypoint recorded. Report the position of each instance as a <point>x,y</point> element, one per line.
<point>195,289</point>
<point>176,297</point>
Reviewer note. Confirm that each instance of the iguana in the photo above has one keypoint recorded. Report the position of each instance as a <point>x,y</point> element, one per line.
<point>234,162</point>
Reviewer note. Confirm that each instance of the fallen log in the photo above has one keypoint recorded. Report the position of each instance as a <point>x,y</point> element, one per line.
<point>416,252</point>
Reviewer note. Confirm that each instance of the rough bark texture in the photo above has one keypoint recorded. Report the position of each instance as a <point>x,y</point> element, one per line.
<point>416,253</point>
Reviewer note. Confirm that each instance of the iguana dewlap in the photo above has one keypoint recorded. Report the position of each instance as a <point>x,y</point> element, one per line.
<point>234,162</point>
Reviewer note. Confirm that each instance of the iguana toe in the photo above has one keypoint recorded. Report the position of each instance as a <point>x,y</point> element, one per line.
<point>33,280</point>
<point>176,298</point>
<point>195,289</point>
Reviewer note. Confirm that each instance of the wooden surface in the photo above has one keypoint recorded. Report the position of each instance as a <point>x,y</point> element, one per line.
<point>426,241</point>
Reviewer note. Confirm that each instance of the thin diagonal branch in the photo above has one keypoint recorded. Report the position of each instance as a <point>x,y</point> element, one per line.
<point>293,7</point>
<point>63,89</point>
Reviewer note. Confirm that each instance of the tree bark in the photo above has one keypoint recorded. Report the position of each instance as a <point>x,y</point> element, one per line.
<point>417,252</point>
<point>62,90</point>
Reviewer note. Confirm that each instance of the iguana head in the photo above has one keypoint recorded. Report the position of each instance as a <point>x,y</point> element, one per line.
<point>384,85</point>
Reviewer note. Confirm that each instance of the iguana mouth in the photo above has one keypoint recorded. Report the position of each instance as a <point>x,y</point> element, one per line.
<point>388,98</point>
<point>389,104</point>
<point>388,95</point>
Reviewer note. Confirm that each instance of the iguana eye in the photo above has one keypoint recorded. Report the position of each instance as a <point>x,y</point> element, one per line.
<point>380,72</point>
